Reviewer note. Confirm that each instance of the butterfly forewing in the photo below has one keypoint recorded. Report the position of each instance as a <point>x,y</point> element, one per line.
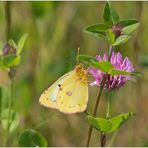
<point>49,96</point>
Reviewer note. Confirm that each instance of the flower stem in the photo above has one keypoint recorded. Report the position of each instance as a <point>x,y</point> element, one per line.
<point>110,52</point>
<point>103,139</point>
<point>103,135</point>
<point>94,114</point>
<point>9,113</point>
<point>108,106</point>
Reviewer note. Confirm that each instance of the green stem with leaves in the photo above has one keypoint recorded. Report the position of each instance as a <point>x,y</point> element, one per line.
<point>97,104</point>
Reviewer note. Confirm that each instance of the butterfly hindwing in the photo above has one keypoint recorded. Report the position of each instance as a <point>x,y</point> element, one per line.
<point>73,95</point>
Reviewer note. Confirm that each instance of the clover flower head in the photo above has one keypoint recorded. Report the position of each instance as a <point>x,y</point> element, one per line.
<point>112,82</point>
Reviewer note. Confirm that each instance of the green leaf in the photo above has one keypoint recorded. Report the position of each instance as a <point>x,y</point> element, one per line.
<point>97,28</point>
<point>110,36</point>
<point>100,124</point>
<point>129,29</point>
<point>14,119</point>
<point>32,138</point>
<point>21,43</point>
<point>11,60</point>
<point>110,15</point>
<point>86,58</point>
<point>99,35</point>
<point>125,23</point>
<point>12,43</point>
<point>109,125</point>
<point>119,120</point>
<point>105,66</point>
<point>121,39</point>
<point>137,74</point>
<point>114,72</point>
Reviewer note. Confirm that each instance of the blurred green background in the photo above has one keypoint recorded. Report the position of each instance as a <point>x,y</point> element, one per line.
<point>55,31</point>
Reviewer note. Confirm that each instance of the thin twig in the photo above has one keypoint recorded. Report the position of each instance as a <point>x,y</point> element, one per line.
<point>8,19</point>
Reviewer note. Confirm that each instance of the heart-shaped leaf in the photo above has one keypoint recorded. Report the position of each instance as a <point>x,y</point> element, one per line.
<point>109,125</point>
<point>32,138</point>
<point>117,121</point>
<point>100,124</point>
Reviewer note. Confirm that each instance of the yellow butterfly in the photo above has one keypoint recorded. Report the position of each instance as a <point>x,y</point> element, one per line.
<point>69,94</point>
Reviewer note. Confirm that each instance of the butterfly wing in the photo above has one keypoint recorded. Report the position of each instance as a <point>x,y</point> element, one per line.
<point>49,96</point>
<point>73,96</point>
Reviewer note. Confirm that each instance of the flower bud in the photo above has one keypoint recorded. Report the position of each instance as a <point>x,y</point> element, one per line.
<point>8,49</point>
<point>117,30</point>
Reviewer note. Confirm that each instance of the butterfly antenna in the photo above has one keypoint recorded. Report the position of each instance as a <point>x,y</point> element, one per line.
<point>78,51</point>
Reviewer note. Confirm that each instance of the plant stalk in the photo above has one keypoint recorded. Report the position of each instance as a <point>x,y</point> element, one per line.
<point>8,19</point>
<point>103,135</point>
<point>103,139</point>
<point>108,105</point>
<point>9,113</point>
<point>94,114</point>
